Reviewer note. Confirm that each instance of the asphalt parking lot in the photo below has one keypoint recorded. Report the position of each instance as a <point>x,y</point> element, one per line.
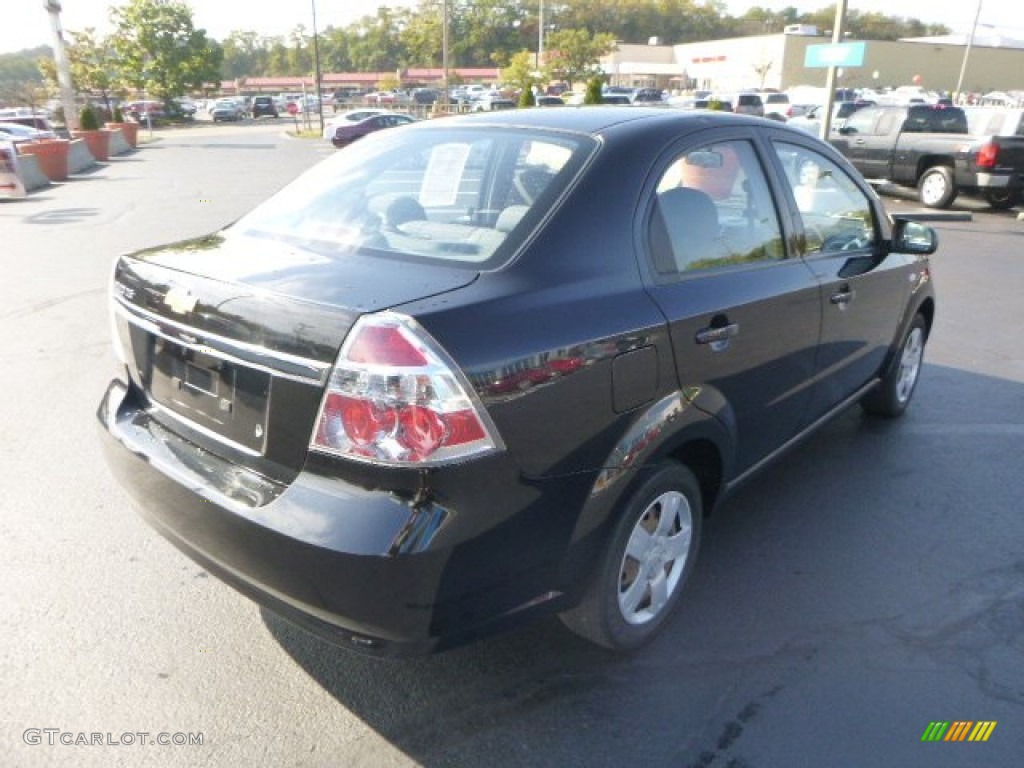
<point>872,583</point>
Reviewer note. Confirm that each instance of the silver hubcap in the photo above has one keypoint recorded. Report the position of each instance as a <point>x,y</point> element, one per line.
<point>934,188</point>
<point>655,557</point>
<point>910,364</point>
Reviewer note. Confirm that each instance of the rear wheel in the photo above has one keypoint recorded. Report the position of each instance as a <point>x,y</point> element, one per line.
<point>647,561</point>
<point>936,187</point>
<point>892,396</point>
<point>1002,199</point>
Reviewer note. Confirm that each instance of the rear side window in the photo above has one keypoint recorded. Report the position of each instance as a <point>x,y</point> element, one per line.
<point>714,209</point>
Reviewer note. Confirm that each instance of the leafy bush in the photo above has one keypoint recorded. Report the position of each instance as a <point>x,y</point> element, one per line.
<point>593,95</point>
<point>87,120</point>
<point>118,115</point>
<point>526,98</point>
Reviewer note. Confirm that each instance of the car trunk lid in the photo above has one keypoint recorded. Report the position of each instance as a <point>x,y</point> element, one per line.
<point>232,338</point>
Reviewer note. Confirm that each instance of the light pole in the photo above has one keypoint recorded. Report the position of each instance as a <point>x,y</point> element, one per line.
<point>316,69</point>
<point>540,34</point>
<point>967,53</point>
<point>67,91</point>
<point>446,93</point>
<point>830,78</point>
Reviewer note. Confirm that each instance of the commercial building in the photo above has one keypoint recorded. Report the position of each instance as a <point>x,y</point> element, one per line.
<point>996,62</point>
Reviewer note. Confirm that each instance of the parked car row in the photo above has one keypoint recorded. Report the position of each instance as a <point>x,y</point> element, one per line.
<point>16,133</point>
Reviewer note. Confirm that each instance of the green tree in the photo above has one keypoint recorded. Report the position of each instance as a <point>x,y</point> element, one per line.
<point>245,55</point>
<point>521,71</point>
<point>160,50</point>
<point>575,54</point>
<point>375,44</point>
<point>93,65</point>
<point>300,55</point>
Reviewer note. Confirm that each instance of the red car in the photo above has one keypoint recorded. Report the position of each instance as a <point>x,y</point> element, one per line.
<point>349,132</point>
<point>139,111</point>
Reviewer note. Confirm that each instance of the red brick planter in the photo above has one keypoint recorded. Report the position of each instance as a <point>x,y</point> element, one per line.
<point>98,143</point>
<point>129,130</point>
<point>52,156</point>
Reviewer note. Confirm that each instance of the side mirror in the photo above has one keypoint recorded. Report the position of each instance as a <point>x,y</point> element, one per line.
<point>913,237</point>
<point>846,130</point>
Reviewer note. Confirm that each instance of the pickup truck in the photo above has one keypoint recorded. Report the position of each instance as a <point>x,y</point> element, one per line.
<point>928,147</point>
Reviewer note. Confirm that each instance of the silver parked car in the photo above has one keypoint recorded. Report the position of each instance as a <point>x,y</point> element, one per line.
<point>226,109</point>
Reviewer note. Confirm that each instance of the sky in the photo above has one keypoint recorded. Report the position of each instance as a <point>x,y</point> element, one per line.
<point>25,23</point>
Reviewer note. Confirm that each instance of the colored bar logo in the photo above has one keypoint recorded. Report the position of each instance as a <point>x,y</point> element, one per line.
<point>958,730</point>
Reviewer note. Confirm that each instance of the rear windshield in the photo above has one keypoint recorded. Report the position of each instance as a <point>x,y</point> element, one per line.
<point>935,119</point>
<point>459,195</point>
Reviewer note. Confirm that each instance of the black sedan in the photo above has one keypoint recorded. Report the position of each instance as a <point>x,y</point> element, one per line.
<point>491,367</point>
<point>348,132</point>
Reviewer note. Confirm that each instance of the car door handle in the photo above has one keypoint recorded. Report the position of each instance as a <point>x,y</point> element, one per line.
<point>717,334</point>
<point>844,296</point>
<point>859,142</point>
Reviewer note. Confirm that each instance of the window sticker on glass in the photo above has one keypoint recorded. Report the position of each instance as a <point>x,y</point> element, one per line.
<point>444,173</point>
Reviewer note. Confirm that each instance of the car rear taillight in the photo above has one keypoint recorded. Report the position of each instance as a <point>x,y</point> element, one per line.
<point>988,154</point>
<point>395,397</point>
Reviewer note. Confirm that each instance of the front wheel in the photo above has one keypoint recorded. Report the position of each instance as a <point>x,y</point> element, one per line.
<point>647,561</point>
<point>892,396</point>
<point>936,187</point>
<point>1002,199</point>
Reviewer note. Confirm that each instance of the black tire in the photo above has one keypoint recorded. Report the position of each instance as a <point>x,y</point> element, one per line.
<point>936,187</point>
<point>892,396</point>
<point>1002,199</point>
<point>647,561</point>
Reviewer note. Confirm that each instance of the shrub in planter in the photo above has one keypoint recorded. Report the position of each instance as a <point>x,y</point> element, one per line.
<point>96,139</point>
<point>128,129</point>
<point>87,120</point>
<point>593,94</point>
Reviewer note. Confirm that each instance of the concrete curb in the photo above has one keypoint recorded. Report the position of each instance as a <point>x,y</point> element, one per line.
<point>31,176</point>
<point>79,157</point>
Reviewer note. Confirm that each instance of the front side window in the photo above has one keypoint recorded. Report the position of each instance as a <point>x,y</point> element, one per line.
<point>863,121</point>
<point>454,196</point>
<point>836,214</point>
<point>714,209</point>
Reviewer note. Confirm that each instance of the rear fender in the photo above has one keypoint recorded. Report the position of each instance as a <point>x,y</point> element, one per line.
<point>662,431</point>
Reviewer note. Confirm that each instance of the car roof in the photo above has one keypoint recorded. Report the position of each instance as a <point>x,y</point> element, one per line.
<point>597,121</point>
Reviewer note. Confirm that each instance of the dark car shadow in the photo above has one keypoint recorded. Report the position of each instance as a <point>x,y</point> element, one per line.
<point>850,529</point>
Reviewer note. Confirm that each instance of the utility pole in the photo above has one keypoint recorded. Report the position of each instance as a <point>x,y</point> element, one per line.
<point>67,91</point>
